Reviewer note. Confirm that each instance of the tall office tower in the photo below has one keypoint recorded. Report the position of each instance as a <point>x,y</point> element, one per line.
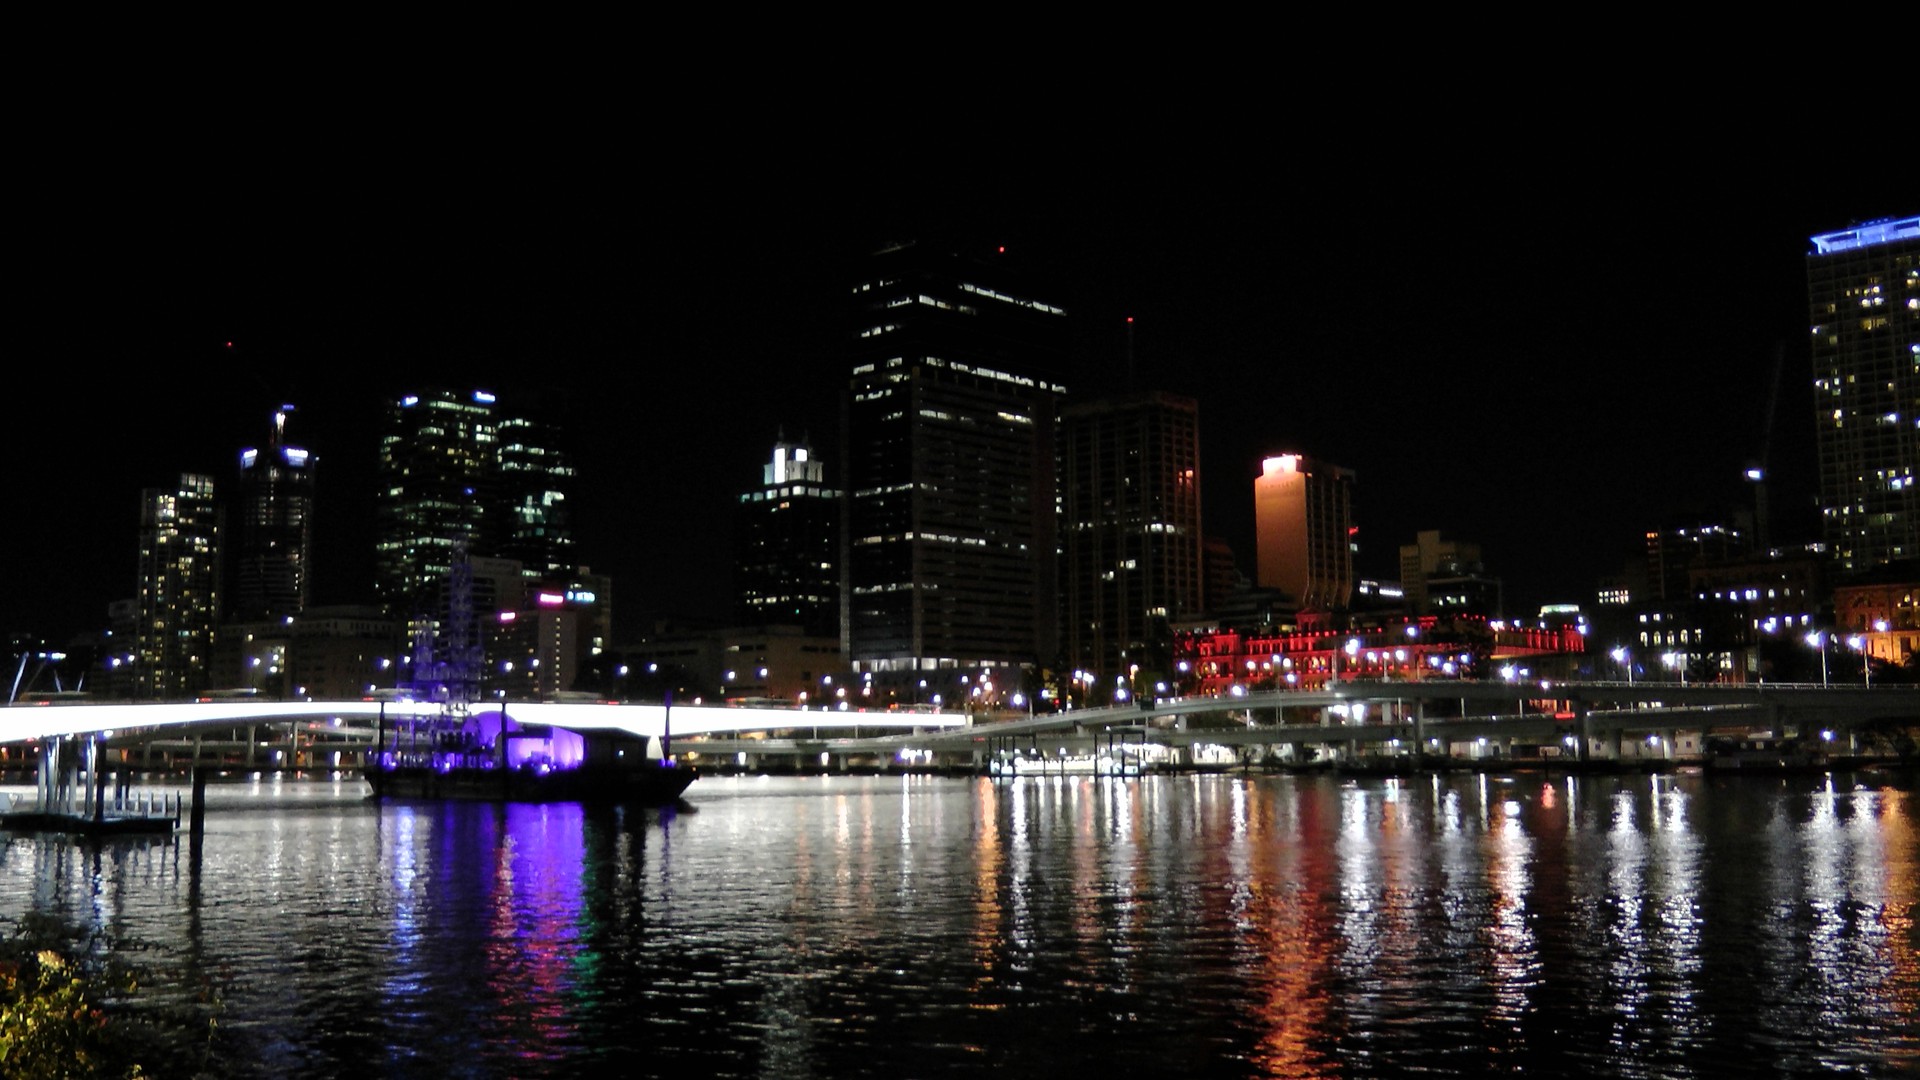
<point>274,541</point>
<point>438,475</point>
<point>788,571</point>
<point>535,480</point>
<point>1863,287</point>
<point>949,428</point>
<point>1131,531</point>
<point>1303,523</point>
<point>179,597</point>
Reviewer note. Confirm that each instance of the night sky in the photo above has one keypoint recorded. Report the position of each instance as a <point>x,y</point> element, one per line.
<point>1547,374</point>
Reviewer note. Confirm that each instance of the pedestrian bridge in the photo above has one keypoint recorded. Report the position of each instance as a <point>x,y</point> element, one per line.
<point>1585,717</point>
<point>135,721</point>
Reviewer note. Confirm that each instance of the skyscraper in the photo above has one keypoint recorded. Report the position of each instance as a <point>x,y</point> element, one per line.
<point>179,597</point>
<point>949,424</point>
<point>1303,519</point>
<point>440,493</point>
<point>1131,529</point>
<point>472,514</point>
<point>1863,287</point>
<point>788,571</point>
<point>535,479</point>
<point>274,541</point>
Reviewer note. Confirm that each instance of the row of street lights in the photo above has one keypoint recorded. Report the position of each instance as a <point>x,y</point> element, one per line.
<point>1816,639</point>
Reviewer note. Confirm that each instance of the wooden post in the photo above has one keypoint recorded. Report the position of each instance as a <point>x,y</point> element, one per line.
<point>99,782</point>
<point>198,820</point>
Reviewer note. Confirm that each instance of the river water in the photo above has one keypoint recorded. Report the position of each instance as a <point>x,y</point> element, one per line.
<point>1186,926</point>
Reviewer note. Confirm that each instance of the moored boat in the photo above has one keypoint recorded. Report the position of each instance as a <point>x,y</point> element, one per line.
<point>484,757</point>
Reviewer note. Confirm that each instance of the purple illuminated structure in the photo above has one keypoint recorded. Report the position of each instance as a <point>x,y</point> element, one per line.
<point>484,754</point>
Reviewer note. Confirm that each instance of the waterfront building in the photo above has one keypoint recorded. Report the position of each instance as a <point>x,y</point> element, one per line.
<point>949,425</point>
<point>1131,530</point>
<point>1303,517</point>
<point>178,600</point>
<point>1863,289</point>
<point>1877,614</point>
<point>788,567</point>
<point>273,536</point>
<point>1314,653</point>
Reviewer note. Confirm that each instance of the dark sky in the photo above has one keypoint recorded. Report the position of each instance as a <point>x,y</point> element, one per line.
<point>1542,360</point>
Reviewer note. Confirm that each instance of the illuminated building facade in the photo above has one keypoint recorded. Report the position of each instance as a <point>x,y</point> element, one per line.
<point>179,595</point>
<point>1312,656</point>
<point>1303,521</point>
<point>950,549</point>
<point>538,647</point>
<point>273,542</point>
<point>473,512</point>
<point>788,570</point>
<point>456,472</point>
<point>438,478</point>
<point>535,479</point>
<point>1863,287</point>
<point>1131,530</point>
<point>1878,613</point>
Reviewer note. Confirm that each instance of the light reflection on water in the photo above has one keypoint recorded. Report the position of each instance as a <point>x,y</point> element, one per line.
<point>1180,925</point>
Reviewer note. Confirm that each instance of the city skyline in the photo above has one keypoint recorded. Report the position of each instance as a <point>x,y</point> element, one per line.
<point>1545,389</point>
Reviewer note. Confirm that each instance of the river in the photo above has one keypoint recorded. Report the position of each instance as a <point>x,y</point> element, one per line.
<point>1527,924</point>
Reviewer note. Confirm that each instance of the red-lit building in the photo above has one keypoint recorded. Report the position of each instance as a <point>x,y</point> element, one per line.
<point>1308,657</point>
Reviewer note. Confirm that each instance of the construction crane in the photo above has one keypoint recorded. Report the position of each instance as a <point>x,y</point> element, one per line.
<point>1757,471</point>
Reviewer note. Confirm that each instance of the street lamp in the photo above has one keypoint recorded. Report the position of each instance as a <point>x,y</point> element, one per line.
<point>1858,643</point>
<point>1352,649</point>
<point>1625,659</point>
<point>1818,639</point>
<point>1676,661</point>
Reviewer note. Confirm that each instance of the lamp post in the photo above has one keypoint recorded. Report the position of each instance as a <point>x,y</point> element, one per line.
<point>1625,659</point>
<point>1818,639</point>
<point>1858,643</point>
<point>1352,649</point>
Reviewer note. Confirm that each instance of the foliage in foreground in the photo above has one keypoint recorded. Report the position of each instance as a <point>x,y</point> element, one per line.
<point>70,1008</point>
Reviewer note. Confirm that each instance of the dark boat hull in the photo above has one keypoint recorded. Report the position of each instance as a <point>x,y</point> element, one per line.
<point>656,785</point>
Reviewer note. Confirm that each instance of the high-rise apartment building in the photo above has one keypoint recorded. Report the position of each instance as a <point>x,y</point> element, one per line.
<point>1863,287</point>
<point>273,541</point>
<point>179,589</point>
<point>788,569</point>
<point>950,551</point>
<point>1303,524</point>
<point>1131,529</point>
